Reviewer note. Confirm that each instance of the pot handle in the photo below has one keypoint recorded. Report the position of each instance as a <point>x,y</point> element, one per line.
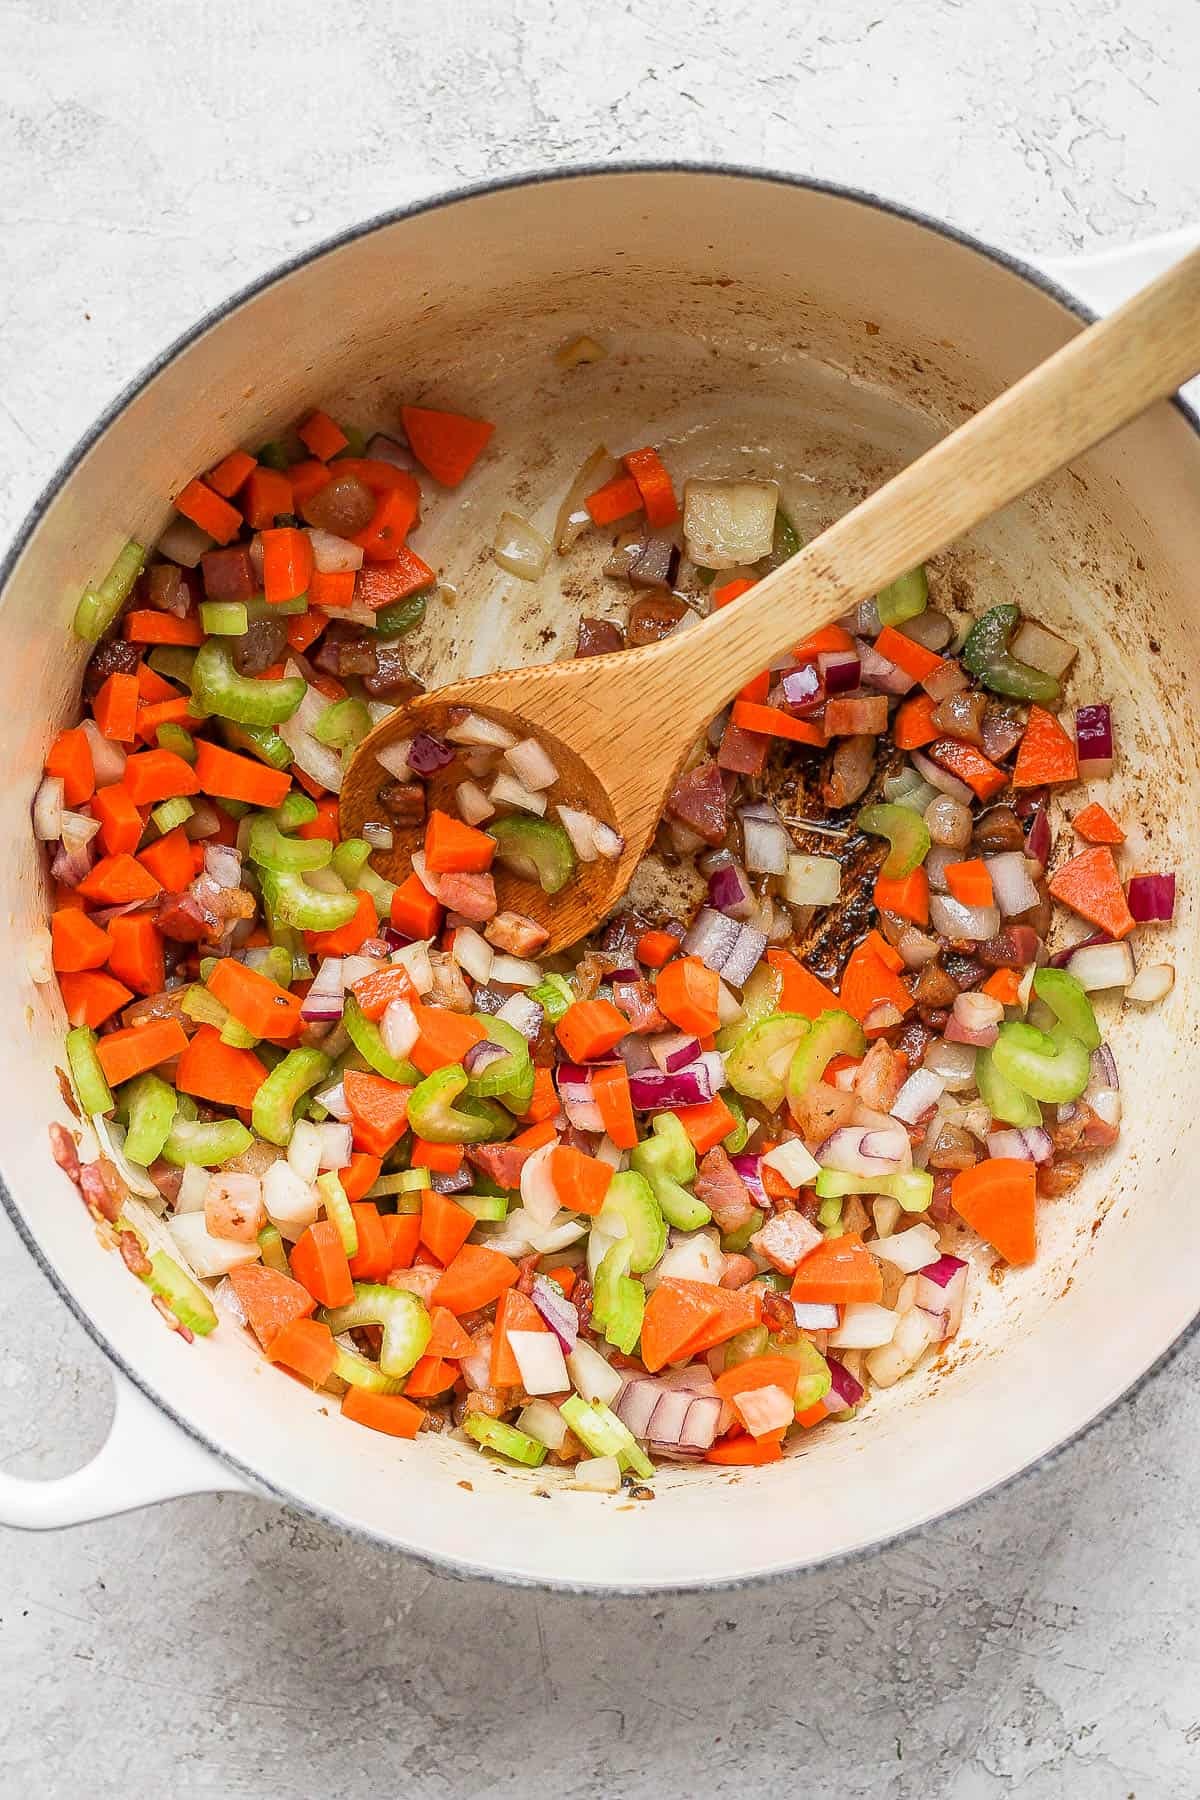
<point>1104,278</point>
<point>144,1459</point>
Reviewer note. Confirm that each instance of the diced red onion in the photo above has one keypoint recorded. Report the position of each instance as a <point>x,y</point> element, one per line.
<point>78,830</point>
<point>1037,835</point>
<point>1011,883</point>
<point>1151,898</point>
<point>1103,1068</point>
<point>669,1417</point>
<point>476,1059</point>
<point>712,937</point>
<point>1099,966</point>
<point>916,948</point>
<point>878,672</point>
<point>333,555</point>
<point>1062,957</point>
<point>70,867</point>
<point>651,1090</point>
<point>674,1050</point>
<point>730,893</point>
<point>918,1097</point>
<point>559,1313</point>
<point>844,1388</point>
<point>866,1150</point>
<point>1094,740</point>
<point>745,957</point>
<point>1032,1145</point>
<point>954,920</point>
<point>974,1019</point>
<point>941,779</point>
<point>539,1357</point>
<point>955,1063</point>
<point>749,1168</point>
<point>839,670</point>
<point>427,754</point>
<point>575,1092</point>
<point>909,1251</point>
<point>941,1291</point>
<point>636,1403</point>
<point>506,790</point>
<point>803,689</point>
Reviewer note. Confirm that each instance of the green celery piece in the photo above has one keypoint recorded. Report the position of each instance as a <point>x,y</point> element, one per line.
<point>172,813</point>
<point>985,654</point>
<point>402,1181</point>
<point>337,1208</point>
<point>510,1078</point>
<point>359,1371</point>
<point>909,789</point>
<point>274,1255</point>
<point>625,1316</point>
<point>733,1243</point>
<point>174,737</point>
<point>274,456</point>
<point>745,1345</point>
<point>613,1266</point>
<point>829,1213</point>
<point>356,442</point>
<point>554,994</point>
<point>259,607</point>
<point>185,1297</point>
<point>433,1115</point>
<point>221,690</point>
<point>757,1062</point>
<point>381,891</point>
<point>293,902</point>
<point>237,809</point>
<point>273,1113</point>
<point>350,859</point>
<point>534,850</point>
<point>343,725</point>
<point>505,1440</point>
<point>488,1208</point>
<point>100,605</point>
<point>270,849</point>
<point>834,1033</point>
<point>903,599</point>
<point>367,1039</point>
<point>401,616</point>
<point>407,1327</point>
<point>666,1161</point>
<point>813,1379</point>
<point>95,1095</point>
<point>631,1203</point>
<point>913,1188</point>
<point>294,810</point>
<point>255,740</point>
<point>224,618</point>
<point>1051,1066</point>
<point>600,1431</point>
<point>1069,1003</point>
<point>906,832</point>
<point>1002,1098</point>
<point>785,542</point>
<point>174,661</point>
<point>206,1009</point>
<point>151,1104</point>
<point>739,1137</point>
<point>209,1143</point>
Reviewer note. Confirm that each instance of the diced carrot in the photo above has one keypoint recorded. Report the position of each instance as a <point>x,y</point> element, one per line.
<point>268,494</point>
<point>347,938</point>
<point>970,882</point>
<point>150,627</point>
<point>445,1037</point>
<point>121,824</point>
<point>448,1339</point>
<point>1095,826</point>
<point>773,1183</point>
<point>322,436</point>
<point>70,759</point>
<point>838,1272</point>
<point>307,1346</point>
<point>996,1198</point>
<point>741,1451</point>
<point>227,776</point>
<point>303,629</point>
<point>914,725</point>
<point>311,787</point>
<point>76,942</point>
<point>565,1277</point>
<point>169,860</point>
<point>432,1375</point>
<point>969,765</point>
<point>215,1071</point>
<point>124,1054</point>
<point>825,642</point>
<point>516,1312</point>
<point>392,1414</point>
<point>306,479</point>
<point>441,1159</point>
<point>812,1415</point>
<point>706,1124</point>
<point>209,511</point>
<point>687,992</point>
<point>380,584</point>
<point>730,591</point>
<point>544,1105</point>
<point>454,848</point>
<point>676,1312</point>
<point>230,473</point>
<point>1090,885</point>
<point>319,1261</point>
<point>448,444</point>
<point>117,879</point>
<point>164,712</point>
<point>414,910</point>
<point>580,1181</point>
<point>136,953</point>
<point>589,1028</point>
<point>269,1300</point>
<point>372,1261</point>
<point>800,990</point>
<point>287,563</point>
<point>374,993</point>
<point>475,1277</point>
<point>154,775</point>
<point>1004,985</point>
<point>152,687</point>
<point>887,953</point>
<point>905,895</point>
<point>360,1174</point>
<point>756,689</point>
<point>769,721</point>
<point>91,997</point>
<point>1046,754</point>
<point>403,1234</point>
<point>907,654</point>
<point>656,948</point>
<point>617,499</point>
<point>534,1137</point>
<point>378,1110</point>
<point>867,982</point>
<point>325,825</point>
<point>757,1372</point>
<point>326,587</point>
<point>382,538</point>
<point>736,1310</point>
<point>610,1090</point>
<point>258,1003</point>
<point>654,486</point>
<point>115,708</point>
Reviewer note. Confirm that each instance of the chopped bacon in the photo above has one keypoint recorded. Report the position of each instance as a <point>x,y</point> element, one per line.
<point>850,770</point>
<point>501,1163</point>
<point>515,933</point>
<point>472,896</point>
<point>779,1315</point>
<point>724,1192</point>
<point>698,801</point>
<point>785,1239</point>
<point>64,1151</point>
<point>1055,1178</point>
<point>97,1195</point>
<point>738,1271</point>
<point>742,752</point>
<point>527,1268</point>
<point>879,1077</point>
<point>598,637</point>
<point>133,1256</point>
<point>636,1000</point>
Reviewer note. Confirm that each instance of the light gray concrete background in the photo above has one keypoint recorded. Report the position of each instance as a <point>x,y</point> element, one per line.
<point>155,155</point>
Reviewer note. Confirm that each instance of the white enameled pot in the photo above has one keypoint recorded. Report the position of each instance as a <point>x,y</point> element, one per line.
<point>751,323</point>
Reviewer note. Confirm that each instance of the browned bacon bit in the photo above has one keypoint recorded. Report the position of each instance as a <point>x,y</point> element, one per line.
<point>172,1320</point>
<point>940,1207</point>
<point>778,1315</point>
<point>581,1299</point>
<point>527,1267</point>
<point>698,801</point>
<point>516,934</point>
<point>132,1255</point>
<point>404,801</point>
<point>64,1152</point>
<point>598,637</point>
<point>723,1191</point>
<point>1055,1178</point>
<point>97,1197</point>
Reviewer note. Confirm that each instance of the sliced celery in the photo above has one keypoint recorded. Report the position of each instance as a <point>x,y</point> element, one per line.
<point>95,1095</point>
<point>273,1113</point>
<point>100,605</point>
<point>274,1255</point>
<point>209,1143</point>
<point>350,859</point>
<point>224,618</point>
<point>433,1115</point>
<point>337,1208</point>
<point>172,812</point>
<point>185,1297</point>
<point>343,725</point>
<point>367,1039</point>
<point>407,1327</point>
<point>176,738</point>
<point>601,1432</point>
<point>151,1104</point>
<point>505,1440</point>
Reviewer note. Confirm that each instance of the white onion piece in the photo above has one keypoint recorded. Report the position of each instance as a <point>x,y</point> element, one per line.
<point>337,1144</point>
<point>393,759</point>
<point>192,1189</point>
<point>506,790</point>
<point>597,1474</point>
<point>380,837</point>
<point>939,778</point>
<point>312,758</point>
<point>1100,966</point>
<point>544,1424</point>
<point>954,1063</point>
<point>608,842</point>
<point>48,809</point>
<point>864,1326</point>
<point>333,555</point>
<point>531,765</point>
<point>520,548</point>
<point>729,522</point>
<point>580,828</point>
<point>697,1256</point>
<point>473,804</point>
<point>224,864</point>
<point>414,958</point>
<point>399,1028</point>
<point>919,1095</point>
<point>1042,649</point>
<point>812,880</point>
<point>913,1335</point>
<point>954,920</point>
<point>793,1162</point>
<point>357,968</point>
<point>184,543</point>
<point>540,1360</point>
<point>39,956</point>
<point>480,733</point>
<point>333,1099</point>
<point>522,1013</point>
<point>1011,883</point>
<point>514,971</point>
<point>591,1376</point>
<point>1152,983</point>
<point>291,1201</point>
<point>108,759</point>
<point>304,1151</point>
<point>909,1250</point>
<point>473,954</point>
<point>866,1150</point>
<point>420,870</point>
<point>885,1212</point>
<point>539,1196</point>
<point>766,844</point>
<point>204,1254</point>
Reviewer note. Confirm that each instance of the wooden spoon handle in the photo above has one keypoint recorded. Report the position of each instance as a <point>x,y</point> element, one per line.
<point>1096,383</point>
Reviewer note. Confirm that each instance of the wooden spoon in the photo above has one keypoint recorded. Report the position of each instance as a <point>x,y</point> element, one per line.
<point>620,727</point>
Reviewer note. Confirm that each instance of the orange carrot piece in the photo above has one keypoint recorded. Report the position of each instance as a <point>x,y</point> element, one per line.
<point>997,1199</point>
<point>269,1300</point>
<point>656,948</point>
<point>228,776</point>
<point>839,1272</point>
<point>887,953</point>
<point>617,499</point>
<point>382,538</point>
<point>230,473</point>
<point>1004,985</point>
<point>687,992</point>
<point>164,712</point>
<point>115,708</point>
<point>581,1182</point>
<point>360,1173</point>
<point>800,990</point>
<point>77,943</point>
<point>403,1235</point>
<point>732,590</point>
<point>914,723</point>
<point>268,493</point>
<point>868,982</point>
<point>565,1277</point>
<point>769,721</point>
<point>1095,826</point>
<point>211,1070</point>
<point>448,1338</point>
<point>117,879</point>
<point>378,1110</point>
<point>758,1372</point>
<point>1090,885</point>
<point>121,824</point>
<point>169,860</point>
<point>907,654</point>
<point>970,882</point>
<point>706,1124</point>
<point>1046,754</point>
<point>308,478</point>
<point>287,563</point>
<point>906,895</point>
<point>544,1105</point>
<point>379,584</point>
<point>676,1312</point>
<point>325,825</point>
<point>154,775</point>
<point>347,938</point>
<point>374,993</point>
<point>448,444</point>
<point>736,1310</point>
<point>516,1312</point>
<point>392,1414</point>
<point>414,910</point>
<point>827,641</point>
<point>150,627</point>
<point>475,1277</point>
<point>307,1346</point>
<point>535,1137</point>
<point>441,1159</point>
<point>70,759</point>
<point>326,587</point>
<point>261,1005</point>
<point>322,436</point>
<point>454,848</point>
<point>741,1451</point>
<point>431,1375</point>
<point>610,1090</point>
<point>303,629</point>
<point>319,1262</point>
<point>372,1261</point>
<point>589,1028</point>
<point>152,687</point>
<point>210,512</point>
<point>124,1054</point>
<point>654,485</point>
<point>445,1037</point>
<point>969,764</point>
<point>91,997</point>
<point>136,953</point>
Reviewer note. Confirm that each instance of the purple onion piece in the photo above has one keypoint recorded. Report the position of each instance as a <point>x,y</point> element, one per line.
<point>458,1183</point>
<point>426,754</point>
<point>1104,1068</point>
<point>1061,958</point>
<point>744,958</point>
<point>747,1166</point>
<point>559,1313</point>
<point>1151,898</point>
<point>1037,836</point>
<point>839,670</point>
<point>651,1090</point>
<point>803,689</point>
<point>480,1055</point>
<point>730,893</point>
<point>712,938</point>
<point>849,1391</point>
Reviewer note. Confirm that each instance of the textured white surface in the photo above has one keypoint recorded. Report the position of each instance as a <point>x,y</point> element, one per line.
<point>152,159</point>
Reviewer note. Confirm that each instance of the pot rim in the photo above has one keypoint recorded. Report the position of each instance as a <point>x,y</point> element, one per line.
<point>463,1568</point>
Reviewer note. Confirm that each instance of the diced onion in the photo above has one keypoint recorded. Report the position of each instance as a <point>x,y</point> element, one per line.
<point>914,1333</point>
<point>531,765</point>
<point>1152,983</point>
<point>544,1424</point>
<point>597,1475</point>
<point>207,1255</point>
<point>793,1162</point>
<point>506,790</point>
<point>729,522</point>
<point>910,1250</point>
<point>303,1153</point>
<point>591,1375</point>
<point>941,779</point>
<point>399,1028</point>
<point>184,543</point>
<point>864,1326</point>
<point>1042,649</point>
<point>520,548</point>
<point>380,837</point>
<point>333,555</point>
<point>514,971</point>
<point>812,880</point>
<point>1011,883</point>
<point>393,759</point>
<point>481,733</point>
<point>473,804</point>
<point>919,1095</point>
<point>108,759</point>
<point>954,920</point>
<point>48,809</point>
<point>333,1099</point>
<point>1099,966</point>
<point>415,958</point>
<point>473,954</point>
